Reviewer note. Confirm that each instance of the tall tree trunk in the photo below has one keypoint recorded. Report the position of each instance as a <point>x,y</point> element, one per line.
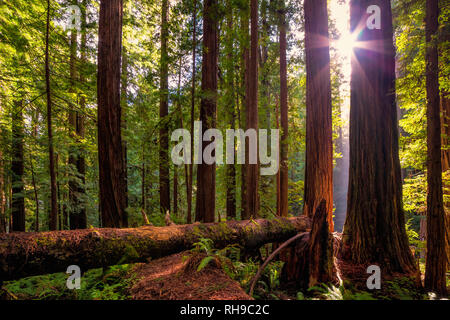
<point>252,170</point>
<point>374,230</point>
<point>206,173</point>
<point>284,177</point>
<point>36,199</point>
<point>3,179</point>
<point>58,193</point>
<point>111,166</point>
<point>2,188</point>
<point>164,183</point>
<point>143,193</point>
<point>191,166</point>
<point>245,62</point>
<point>124,104</point>
<point>73,152</point>
<point>53,219</point>
<point>278,176</point>
<point>80,130</point>
<point>445,129</point>
<point>18,191</point>
<point>319,144</point>
<point>231,113</point>
<point>180,125</point>
<point>33,175</point>
<point>436,262</point>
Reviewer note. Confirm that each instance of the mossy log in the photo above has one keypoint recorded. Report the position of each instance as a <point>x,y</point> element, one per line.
<point>26,254</point>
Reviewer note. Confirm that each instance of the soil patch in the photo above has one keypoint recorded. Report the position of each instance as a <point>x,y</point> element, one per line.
<point>172,278</point>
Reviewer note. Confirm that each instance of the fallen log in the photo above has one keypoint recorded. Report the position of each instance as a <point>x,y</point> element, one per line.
<point>26,254</point>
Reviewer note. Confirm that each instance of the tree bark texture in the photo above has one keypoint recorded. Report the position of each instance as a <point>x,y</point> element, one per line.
<point>436,261</point>
<point>319,144</point>
<point>374,230</point>
<point>111,165</point>
<point>164,175</point>
<point>206,173</point>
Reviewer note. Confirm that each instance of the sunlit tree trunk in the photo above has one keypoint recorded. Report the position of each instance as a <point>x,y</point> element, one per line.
<point>374,230</point>
<point>110,152</point>
<point>319,145</point>
<point>436,262</point>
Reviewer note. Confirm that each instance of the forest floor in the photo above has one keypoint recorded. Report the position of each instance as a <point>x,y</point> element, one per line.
<point>204,273</point>
<point>175,278</point>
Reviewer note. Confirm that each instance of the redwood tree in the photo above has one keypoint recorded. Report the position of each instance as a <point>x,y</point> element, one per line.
<point>319,145</point>
<point>252,170</point>
<point>164,182</point>
<point>436,262</point>
<point>53,218</point>
<point>374,230</point>
<point>206,173</point>
<point>81,221</point>
<point>191,166</point>
<point>110,154</point>
<point>284,173</point>
<point>231,112</point>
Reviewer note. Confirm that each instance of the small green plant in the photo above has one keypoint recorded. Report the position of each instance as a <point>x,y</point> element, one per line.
<point>206,246</point>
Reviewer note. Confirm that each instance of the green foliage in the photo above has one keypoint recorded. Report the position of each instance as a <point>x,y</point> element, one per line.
<point>110,283</point>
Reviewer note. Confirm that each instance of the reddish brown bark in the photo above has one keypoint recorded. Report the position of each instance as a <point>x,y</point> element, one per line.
<point>110,153</point>
<point>278,177</point>
<point>436,262</point>
<point>206,173</point>
<point>374,230</point>
<point>252,170</point>
<point>319,145</point>
<point>191,166</point>
<point>321,258</point>
<point>445,128</point>
<point>245,66</point>
<point>53,219</point>
<point>81,222</point>
<point>284,173</point>
<point>164,175</point>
